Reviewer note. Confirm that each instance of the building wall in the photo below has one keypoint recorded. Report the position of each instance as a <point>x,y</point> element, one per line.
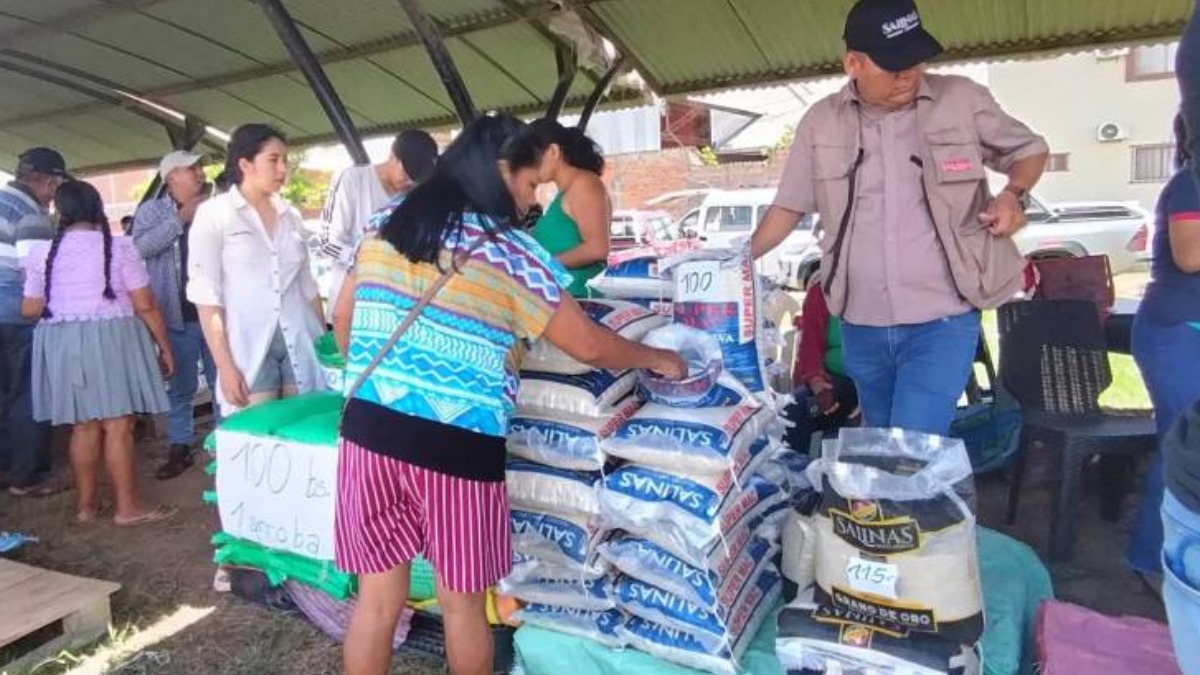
<point>1066,99</point>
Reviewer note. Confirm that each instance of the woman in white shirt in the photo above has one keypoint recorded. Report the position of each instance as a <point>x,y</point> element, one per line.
<point>249,276</point>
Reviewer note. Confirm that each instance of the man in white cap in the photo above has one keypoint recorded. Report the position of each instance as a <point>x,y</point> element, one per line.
<point>160,233</point>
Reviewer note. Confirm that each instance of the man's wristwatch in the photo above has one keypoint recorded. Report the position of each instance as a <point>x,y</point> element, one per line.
<point>1020,193</point>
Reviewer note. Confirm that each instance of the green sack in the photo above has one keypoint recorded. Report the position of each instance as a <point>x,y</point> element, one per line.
<point>268,418</point>
<point>328,353</point>
<point>280,566</point>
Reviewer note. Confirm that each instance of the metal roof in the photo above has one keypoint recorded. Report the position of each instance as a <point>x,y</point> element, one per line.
<point>91,77</point>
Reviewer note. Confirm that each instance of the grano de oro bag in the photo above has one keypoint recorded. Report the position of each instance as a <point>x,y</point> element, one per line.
<point>895,531</point>
<point>535,487</point>
<point>566,441</point>
<point>701,440</point>
<point>629,320</point>
<point>685,648</point>
<point>814,638</point>
<point>593,394</point>
<point>717,291</point>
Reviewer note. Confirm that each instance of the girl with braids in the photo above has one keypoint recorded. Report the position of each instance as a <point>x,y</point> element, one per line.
<point>576,225</point>
<point>94,360</point>
<point>249,277</point>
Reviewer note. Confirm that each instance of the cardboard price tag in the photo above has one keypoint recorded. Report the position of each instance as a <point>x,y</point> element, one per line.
<point>876,578</point>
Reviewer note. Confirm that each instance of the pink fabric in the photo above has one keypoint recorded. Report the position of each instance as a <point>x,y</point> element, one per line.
<point>333,616</point>
<point>1073,640</point>
<point>77,291</point>
<point>388,512</point>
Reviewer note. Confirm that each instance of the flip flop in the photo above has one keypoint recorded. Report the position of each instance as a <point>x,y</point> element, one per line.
<point>159,514</point>
<point>45,489</point>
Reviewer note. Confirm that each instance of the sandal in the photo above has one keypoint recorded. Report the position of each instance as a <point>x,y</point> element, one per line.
<point>44,489</point>
<point>156,515</point>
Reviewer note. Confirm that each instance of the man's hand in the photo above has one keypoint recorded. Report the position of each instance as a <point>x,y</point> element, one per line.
<point>1005,216</point>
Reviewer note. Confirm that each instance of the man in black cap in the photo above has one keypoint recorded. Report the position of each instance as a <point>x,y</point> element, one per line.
<point>24,219</point>
<point>914,245</point>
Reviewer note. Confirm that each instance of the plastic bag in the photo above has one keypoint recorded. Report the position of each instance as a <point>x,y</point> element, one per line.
<point>702,440</point>
<point>566,441</point>
<point>896,531</point>
<point>601,627</point>
<point>634,275</point>
<point>562,539</point>
<point>593,394</point>
<point>593,594</point>
<point>628,320</point>
<point>535,487</point>
<point>707,385</point>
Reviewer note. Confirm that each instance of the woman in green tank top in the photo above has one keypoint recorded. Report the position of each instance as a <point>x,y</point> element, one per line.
<point>575,227</point>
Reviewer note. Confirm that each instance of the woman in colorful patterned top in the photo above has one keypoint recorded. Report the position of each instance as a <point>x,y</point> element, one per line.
<point>94,362</point>
<point>576,225</point>
<point>1166,337</point>
<point>421,468</point>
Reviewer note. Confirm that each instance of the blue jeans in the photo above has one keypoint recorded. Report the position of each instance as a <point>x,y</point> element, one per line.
<point>1169,358</point>
<point>189,349</point>
<point>911,377</point>
<point>1181,580</point>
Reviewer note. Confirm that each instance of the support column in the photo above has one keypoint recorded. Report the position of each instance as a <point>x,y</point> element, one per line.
<point>321,87</point>
<point>435,46</point>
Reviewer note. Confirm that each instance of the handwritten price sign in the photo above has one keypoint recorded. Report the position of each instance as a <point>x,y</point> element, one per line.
<point>277,493</point>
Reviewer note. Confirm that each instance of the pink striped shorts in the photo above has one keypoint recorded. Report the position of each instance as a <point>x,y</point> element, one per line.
<point>388,512</point>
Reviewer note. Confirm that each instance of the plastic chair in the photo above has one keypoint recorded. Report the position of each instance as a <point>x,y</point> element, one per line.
<point>1053,359</point>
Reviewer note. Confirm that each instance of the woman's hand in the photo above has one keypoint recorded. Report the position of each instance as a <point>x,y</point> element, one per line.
<point>233,386</point>
<point>166,362</point>
<point>669,365</point>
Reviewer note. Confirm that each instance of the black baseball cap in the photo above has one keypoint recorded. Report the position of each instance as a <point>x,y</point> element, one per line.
<point>890,32</point>
<point>43,160</point>
<point>417,152</point>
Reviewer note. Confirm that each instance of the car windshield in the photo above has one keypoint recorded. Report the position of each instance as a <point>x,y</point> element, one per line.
<point>730,218</point>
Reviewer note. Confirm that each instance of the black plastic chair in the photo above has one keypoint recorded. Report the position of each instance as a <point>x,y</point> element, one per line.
<point>1054,360</point>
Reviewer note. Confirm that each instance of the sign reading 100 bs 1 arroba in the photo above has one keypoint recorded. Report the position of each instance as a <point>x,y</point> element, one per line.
<point>277,493</point>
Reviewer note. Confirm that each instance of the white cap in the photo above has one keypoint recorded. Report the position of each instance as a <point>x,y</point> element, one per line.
<point>177,160</point>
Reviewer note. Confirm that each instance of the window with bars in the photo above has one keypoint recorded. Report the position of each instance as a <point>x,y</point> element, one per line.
<point>1151,62</point>
<point>1153,163</point>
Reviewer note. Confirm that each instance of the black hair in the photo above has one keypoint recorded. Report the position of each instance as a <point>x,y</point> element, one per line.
<point>466,178</point>
<point>223,181</point>
<point>246,143</point>
<point>78,202</point>
<point>417,152</point>
<point>1182,156</point>
<point>578,150</point>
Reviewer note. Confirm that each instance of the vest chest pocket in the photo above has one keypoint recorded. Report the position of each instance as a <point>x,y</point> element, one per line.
<point>959,181</point>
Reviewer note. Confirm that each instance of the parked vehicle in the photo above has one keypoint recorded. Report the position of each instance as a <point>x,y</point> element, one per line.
<point>727,215</point>
<point>1120,230</point>
<point>632,229</point>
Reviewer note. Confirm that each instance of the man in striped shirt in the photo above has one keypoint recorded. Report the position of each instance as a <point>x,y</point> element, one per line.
<point>24,219</point>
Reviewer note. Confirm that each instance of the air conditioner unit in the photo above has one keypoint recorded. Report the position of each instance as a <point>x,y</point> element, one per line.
<point>1111,132</point>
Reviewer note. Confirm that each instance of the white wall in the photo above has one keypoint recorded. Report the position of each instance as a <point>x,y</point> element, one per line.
<point>1066,99</point>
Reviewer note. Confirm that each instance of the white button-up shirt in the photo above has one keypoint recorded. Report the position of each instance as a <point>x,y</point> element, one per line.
<point>261,282</point>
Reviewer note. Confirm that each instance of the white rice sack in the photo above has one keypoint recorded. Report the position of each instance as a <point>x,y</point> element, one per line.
<point>528,568</point>
<point>558,539</point>
<point>826,639</point>
<point>707,384</point>
<point>602,627</point>
<point>799,550</point>
<point>629,320</point>
<point>685,509</point>
<point>565,441</point>
<point>636,276</point>
<point>895,531</point>
<point>717,291</point>
<point>594,594</point>
<point>593,394</point>
<point>686,649</point>
<point>700,440</point>
<point>539,488</point>
<point>661,307</point>
<point>647,562</point>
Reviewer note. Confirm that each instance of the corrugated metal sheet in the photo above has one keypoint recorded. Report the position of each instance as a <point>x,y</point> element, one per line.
<point>221,61</point>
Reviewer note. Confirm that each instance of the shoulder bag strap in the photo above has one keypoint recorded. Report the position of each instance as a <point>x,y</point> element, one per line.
<point>413,314</point>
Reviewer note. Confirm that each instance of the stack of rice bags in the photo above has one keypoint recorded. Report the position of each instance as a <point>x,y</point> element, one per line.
<point>555,471</point>
<point>637,275</point>
<point>693,513</point>
<point>890,560</point>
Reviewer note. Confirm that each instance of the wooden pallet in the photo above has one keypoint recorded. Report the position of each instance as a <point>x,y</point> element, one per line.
<point>32,598</point>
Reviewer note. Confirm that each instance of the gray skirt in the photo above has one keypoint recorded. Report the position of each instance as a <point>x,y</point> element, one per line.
<point>95,370</point>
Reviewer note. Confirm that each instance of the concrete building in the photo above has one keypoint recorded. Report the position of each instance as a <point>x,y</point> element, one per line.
<point>1107,116</point>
